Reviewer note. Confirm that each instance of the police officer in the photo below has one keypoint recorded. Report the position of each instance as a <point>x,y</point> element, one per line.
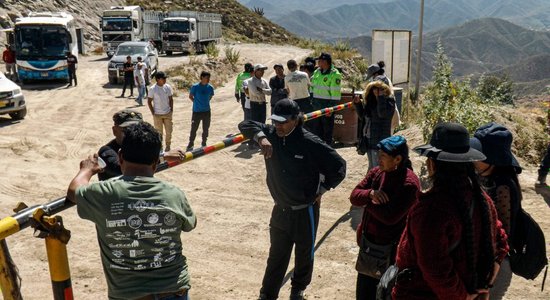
<point>239,91</point>
<point>325,84</point>
<point>300,168</point>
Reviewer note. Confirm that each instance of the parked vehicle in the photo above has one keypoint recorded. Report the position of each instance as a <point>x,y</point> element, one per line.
<point>183,31</point>
<point>129,23</point>
<point>146,50</point>
<point>41,42</point>
<point>12,101</point>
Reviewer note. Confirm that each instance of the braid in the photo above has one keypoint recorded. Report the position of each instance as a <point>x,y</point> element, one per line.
<point>486,257</point>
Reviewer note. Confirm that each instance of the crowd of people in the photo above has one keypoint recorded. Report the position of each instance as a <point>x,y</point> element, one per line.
<point>447,242</point>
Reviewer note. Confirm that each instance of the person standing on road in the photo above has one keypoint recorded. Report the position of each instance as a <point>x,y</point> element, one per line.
<point>139,76</point>
<point>256,88</point>
<point>297,84</point>
<point>161,105</point>
<point>139,220</point>
<point>239,91</point>
<point>109,152</point>
<point>128,68</point>
<point>72,61</point>
<point>277,85</point>
<point>325,83</point>
<point>300,169</point>
<point>200,94</point>
<point>8,56</point>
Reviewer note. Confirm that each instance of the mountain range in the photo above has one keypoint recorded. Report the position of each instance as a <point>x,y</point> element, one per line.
<point>349,20</point>
<point>488,45</point>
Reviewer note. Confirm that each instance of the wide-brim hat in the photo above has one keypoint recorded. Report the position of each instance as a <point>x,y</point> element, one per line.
<point>495,142</point>
<point>450,142</point>
<point>371,70</point>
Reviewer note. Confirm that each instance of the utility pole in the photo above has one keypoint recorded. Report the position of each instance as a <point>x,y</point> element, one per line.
<point>419,53</point>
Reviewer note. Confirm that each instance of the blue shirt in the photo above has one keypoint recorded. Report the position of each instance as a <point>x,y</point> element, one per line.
<point>202,95</point>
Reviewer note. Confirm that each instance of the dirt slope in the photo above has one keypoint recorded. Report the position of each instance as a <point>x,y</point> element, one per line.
<point>228,250</point>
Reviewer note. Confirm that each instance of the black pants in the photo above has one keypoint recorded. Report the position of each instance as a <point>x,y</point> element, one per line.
<point>246,111</point>
<point>257,112</point>
<point>323,128</point>
<point>72,76</point>
<point>366,287</point>
<point>289,228</point>
<point>128,81</point>
<point>306,107</point>
<point>545,163</point>
<point>196,119</point>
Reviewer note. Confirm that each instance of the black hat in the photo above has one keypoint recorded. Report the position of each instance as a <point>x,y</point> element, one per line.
<point>127,117</point>
<point>278,65</point>
<point>372,69</point>
<point>325,56</point>
<point>284,110</point>
<point>160,75</point>
<point>450,142</point>
<point>495,141</point>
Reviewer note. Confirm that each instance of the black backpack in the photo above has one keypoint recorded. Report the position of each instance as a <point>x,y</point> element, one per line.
<point>528,247</point>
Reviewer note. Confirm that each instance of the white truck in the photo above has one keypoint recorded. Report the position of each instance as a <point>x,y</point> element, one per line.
<point>186,30</point>
<point>121,24</point>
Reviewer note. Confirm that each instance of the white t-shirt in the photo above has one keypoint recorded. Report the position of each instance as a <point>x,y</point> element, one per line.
<point>139,75</point>
<point>160,94</point>
<point>253,83</point>
<point>298,84</point>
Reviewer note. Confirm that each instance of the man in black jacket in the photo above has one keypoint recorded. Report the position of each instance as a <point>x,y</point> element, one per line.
<point>300,168</point>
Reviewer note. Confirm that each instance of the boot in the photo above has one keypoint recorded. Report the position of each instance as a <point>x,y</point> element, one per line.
<point>541,181</point>
<point>296,294</point>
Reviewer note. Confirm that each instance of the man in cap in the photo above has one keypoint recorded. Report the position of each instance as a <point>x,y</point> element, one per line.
<point>325,84</point>
<point>109,152</point>
<point>239,91</point>
<point>256,88</point>
<point>161,105</point>
<point>300,168</point>
<point>277,85</point>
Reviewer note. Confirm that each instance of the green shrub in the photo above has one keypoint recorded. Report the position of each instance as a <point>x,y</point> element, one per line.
<point>495,89</point>
<point>232,56</point>
<point>212,51</point>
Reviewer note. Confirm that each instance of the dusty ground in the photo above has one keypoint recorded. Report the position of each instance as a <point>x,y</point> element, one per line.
<point>228,249</point>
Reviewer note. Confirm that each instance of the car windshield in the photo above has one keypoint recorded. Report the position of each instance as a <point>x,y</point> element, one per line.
<point>117,24</point>
<point>176,26</point>
<point>41,41</point>
<point>131,50</point>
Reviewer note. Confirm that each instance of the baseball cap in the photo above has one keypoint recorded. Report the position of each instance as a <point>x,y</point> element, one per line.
<point>160,75</point>
<point>278,66</point>
<point>127,117</point>
<point>284,110</point>
<point>259,67</point>
<point>324,56</point>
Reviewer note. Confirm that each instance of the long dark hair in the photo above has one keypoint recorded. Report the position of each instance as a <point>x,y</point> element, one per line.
<point>445,179</point>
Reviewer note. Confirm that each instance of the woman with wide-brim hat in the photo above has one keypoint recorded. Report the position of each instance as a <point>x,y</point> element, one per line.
<point>453,242</point>
<point>498,176</point>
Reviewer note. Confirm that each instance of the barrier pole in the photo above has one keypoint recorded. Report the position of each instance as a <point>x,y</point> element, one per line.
<point>9,279</point>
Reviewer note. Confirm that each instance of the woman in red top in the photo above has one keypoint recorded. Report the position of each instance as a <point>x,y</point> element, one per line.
<point>453,243</point>
<point>387,193</point>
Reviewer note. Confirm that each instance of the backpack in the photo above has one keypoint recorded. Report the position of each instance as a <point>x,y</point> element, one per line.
<point>528,247</point>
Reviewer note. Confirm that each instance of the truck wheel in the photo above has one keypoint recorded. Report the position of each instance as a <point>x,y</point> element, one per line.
<point>113,80</point>
<point>19,115</point>
<point>168,53</point>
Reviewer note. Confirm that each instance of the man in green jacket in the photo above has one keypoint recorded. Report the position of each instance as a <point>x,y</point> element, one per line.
<point>239,91</point>
<point>325,84</point>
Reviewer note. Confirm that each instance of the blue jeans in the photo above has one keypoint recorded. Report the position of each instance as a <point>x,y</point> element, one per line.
<point>372,155</point>
<point>141,94</point>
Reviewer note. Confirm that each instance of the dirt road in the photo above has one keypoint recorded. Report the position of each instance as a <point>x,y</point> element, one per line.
<point>228,250</point>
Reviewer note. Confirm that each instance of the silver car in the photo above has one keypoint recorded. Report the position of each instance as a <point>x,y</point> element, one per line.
<point>12,101</point>
<point>147,52</point>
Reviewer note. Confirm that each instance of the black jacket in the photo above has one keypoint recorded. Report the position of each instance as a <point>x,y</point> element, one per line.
<point>278,91</point>
<point>301,167</point>
<point>109,154</point>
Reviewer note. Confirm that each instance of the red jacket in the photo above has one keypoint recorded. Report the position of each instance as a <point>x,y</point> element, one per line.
<point>8,56</point>
<point>433,226</point>
<point>385,222</point>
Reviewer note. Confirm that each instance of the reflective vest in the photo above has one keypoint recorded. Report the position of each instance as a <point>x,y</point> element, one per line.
<point>239,82</point>
<point>326,86</point>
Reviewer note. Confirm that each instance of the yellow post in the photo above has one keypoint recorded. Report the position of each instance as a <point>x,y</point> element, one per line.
<point>58,262</point>
<point>9,279</point>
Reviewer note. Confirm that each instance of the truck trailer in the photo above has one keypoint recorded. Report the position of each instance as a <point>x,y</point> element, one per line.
<point>121,24</point>
<point>183,31</point>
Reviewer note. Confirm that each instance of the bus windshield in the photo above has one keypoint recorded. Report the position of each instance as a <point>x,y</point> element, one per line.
<point>117,24</point>
<point>176,26</point>
<point>41,41</point>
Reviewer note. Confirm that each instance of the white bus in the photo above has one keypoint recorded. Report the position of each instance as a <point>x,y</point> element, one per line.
<point>41,43</point>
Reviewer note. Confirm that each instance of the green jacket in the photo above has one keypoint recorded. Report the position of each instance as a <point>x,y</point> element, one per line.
<point>239,82</point>
<point>326,85</point>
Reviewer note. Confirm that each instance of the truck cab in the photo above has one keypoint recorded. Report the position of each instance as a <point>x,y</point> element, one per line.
<point>120,24</point>
<point>178,33</point>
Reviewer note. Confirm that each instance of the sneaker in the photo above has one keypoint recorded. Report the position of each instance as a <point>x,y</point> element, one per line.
<point>296,294</point>
<point>541,181</point>
<point>189,148</point>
